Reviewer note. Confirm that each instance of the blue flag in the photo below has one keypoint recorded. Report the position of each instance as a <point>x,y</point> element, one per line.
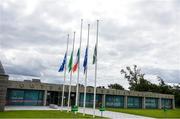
<point>63,64</point>
<point>85,60</point>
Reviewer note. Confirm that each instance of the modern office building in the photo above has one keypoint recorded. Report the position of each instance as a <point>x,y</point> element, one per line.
<point>34,93</point>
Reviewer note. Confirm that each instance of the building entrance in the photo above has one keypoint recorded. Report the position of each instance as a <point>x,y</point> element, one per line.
<point>54,97</point>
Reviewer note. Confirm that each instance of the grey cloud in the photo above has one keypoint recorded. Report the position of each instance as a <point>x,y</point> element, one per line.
<point>22,70</point>
<point>149,36</point>
<point>158,12</point>
<point>169,76</point>
<point>30,30</point>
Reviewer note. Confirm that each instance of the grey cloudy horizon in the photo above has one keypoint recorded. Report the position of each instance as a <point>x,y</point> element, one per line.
<point>142,32</point>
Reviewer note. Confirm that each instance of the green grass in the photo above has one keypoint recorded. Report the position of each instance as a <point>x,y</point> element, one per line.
<point>42,114</point>
<point>156,113</point>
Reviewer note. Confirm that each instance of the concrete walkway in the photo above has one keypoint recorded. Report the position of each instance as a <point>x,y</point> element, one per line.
<point>109,114</point>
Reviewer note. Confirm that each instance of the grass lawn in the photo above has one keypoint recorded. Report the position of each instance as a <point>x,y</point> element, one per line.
<point>156,113</point>
<point>42,114</point>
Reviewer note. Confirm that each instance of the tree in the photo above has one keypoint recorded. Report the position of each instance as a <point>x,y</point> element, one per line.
<point>134,76</point>
<point>163,87</point>
<point>137,81</point>
<point>115,86</point>
<point>176,92</point>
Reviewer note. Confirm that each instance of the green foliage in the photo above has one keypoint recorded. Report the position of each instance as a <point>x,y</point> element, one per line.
<point>134,76</point>
<point>41,114</point>
<point>176,92</point>
<point>115,86</point>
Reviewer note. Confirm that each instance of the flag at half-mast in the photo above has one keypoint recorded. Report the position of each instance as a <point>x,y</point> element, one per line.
<point>70,62</point>
<point>85,60</point>
<point>95,55</point>
<point>77,61</point>
<point>63,64</point>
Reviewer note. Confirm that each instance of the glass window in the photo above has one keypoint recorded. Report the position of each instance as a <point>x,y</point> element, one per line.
<point>24,97</point>
<point>166,103</point>
<point>114,101</point>
<point>15,97</point>
<point>151,103</point>
<point>134,102</point>
<point>31,97</point>
<point>90,99</point>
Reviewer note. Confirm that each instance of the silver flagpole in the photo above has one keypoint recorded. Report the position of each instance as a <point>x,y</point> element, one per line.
<point>77,85</point>
<point>62,99</point>
<point>69,95</point>
<point>84,103</point>
<point>94,105</point>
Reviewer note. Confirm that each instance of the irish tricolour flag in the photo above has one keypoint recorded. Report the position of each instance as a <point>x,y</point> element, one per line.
<point>77,62</point>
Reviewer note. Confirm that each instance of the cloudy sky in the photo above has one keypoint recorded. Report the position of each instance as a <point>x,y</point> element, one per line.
<point>142,32</point>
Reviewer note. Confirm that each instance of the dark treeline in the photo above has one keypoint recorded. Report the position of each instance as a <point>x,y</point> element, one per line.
<point>116,86</point>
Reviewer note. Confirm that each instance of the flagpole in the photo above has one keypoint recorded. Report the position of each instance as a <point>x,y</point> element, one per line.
<point>77,85</point>
<point>94,105</point>
<point>69,94</point>
<point>84,103</point>
<point>62,99</point>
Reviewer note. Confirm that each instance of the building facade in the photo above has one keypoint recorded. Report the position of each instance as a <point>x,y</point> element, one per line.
<point>34,93</point>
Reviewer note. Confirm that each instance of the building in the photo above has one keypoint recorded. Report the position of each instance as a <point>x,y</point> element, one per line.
<point>34,93</point>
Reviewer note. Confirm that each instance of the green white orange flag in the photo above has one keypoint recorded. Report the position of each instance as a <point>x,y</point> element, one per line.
<point>95,55</point>
<point>77,61</point>
<point>70,62</point>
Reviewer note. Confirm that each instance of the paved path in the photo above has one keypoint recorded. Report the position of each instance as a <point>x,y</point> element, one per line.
<point>109,114</point>
<point>113,115</point>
